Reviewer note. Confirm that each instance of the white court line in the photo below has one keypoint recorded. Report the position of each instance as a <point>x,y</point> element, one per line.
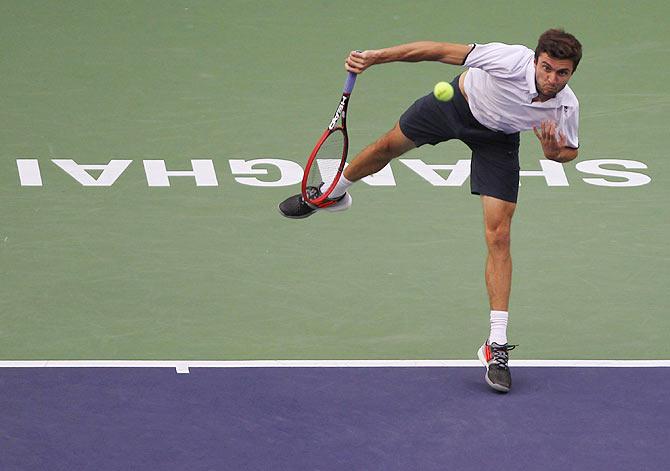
<point>183,366</point>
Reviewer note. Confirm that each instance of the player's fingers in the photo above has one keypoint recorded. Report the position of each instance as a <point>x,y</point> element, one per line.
<point>545,130</point>
<point>353,66</point>
<point>356,61</point>
<point>367,58</point>
<point>358,58</point>
<point>354,70</point>
<point>354,56</point>
<point>551,131</point>
<point>537,133</point>
<point>562,139</point>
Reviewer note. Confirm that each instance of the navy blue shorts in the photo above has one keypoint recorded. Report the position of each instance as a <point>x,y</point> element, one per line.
<point>494,168</point>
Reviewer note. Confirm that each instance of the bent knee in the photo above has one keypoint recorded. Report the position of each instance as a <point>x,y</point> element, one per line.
<point>498,238</point>
<point>394,143</point>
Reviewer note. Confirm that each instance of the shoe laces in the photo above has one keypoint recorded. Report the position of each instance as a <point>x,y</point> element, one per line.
<point>500,356</point>
<point>313,192</point>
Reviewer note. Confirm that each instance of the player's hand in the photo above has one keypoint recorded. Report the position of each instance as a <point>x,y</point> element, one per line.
<point>358,61</point>
<point>551,141</point>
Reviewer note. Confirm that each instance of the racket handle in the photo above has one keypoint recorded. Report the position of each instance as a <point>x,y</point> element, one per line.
<point>349,84</point>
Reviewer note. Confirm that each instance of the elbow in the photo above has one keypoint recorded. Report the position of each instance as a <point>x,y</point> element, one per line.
<point>454,54</point>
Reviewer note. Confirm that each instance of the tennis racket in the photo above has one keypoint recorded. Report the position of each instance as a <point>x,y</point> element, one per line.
<point>326,162</point>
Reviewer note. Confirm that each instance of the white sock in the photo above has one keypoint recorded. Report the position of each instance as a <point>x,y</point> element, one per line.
<point>498,332</point>
<point>340,188</point>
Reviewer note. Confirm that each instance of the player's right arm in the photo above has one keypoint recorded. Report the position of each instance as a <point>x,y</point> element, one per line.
<point>554,147</point>
<point>449,53</point>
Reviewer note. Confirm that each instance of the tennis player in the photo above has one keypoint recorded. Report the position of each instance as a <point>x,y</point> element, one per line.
<point>504,90</point>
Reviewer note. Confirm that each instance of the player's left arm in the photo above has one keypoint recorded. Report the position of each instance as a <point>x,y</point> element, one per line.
<point>554,144</point>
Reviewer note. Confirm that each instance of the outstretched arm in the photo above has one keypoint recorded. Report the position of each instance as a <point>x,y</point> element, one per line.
<point>448,53</point>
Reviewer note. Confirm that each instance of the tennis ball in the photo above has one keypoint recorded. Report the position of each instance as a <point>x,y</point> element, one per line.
<point>443,91</point>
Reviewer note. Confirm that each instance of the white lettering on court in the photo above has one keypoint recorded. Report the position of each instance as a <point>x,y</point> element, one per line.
<point>29,172</point>
<point>158,175</point>
<point>290,172</point>
<point>630,178</point>
<point>110,172</point>
<point>458,175</point>
<point>553,173</point>
<point>384,177</point>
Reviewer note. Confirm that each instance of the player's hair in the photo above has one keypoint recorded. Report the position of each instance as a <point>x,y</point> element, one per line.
<point>559,45</point>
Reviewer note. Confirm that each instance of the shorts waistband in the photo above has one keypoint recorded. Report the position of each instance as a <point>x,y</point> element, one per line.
<point>463,109</point>
<point>462,106</point>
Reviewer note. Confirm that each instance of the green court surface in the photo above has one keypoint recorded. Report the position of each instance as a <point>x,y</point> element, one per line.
<point>133,271</point>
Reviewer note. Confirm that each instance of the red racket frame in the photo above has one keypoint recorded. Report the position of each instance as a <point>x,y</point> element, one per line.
<point>340,115</point>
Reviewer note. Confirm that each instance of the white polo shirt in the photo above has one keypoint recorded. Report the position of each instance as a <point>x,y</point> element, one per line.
<point>500,86</point>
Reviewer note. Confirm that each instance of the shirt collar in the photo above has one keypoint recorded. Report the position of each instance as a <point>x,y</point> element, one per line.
<point>530,79</point>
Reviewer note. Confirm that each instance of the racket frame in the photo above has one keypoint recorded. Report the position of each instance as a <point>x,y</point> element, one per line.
<point>340,116</point>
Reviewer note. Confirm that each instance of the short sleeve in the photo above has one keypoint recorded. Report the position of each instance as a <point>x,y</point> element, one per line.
<point>569,125</point>
<point>499,59</point>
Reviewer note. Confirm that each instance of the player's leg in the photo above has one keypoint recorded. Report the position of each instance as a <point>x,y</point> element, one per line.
<point>370,160</point>
<point>497,225</point>
<point>427,121</point>
<point>494,353</point>
<point>373,158</point>
<point>378,154</point>
<point>495,176</point>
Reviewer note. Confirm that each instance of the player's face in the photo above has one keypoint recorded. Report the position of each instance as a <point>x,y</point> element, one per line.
<point>551,75</point>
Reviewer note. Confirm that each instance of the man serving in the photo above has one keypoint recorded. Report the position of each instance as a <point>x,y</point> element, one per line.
<point>505,89</point>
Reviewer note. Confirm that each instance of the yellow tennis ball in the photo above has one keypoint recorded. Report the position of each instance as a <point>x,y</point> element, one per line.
<point>443,91</point>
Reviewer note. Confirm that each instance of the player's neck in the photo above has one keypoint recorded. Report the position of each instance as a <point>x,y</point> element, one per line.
<point>542,98</point>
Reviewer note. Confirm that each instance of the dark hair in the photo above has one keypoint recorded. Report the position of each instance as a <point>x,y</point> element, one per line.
<point>559,45</point>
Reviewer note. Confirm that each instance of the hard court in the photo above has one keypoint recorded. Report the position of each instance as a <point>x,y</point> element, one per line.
<point>156,312</point>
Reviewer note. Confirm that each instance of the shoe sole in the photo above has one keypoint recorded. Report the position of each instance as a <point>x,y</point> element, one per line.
<point>482,358</point>
<point>327,208</point>
<point>294,217</point>
<point>342,205</point>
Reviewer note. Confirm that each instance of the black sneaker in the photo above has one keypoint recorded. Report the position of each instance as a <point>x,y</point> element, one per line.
<point>494,357</point>
<point>295,207</point>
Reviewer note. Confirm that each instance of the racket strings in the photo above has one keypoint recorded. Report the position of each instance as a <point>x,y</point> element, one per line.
<point>327,162</point>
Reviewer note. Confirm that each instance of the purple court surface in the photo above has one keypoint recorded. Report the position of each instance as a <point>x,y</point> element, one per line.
<point>332,419</point>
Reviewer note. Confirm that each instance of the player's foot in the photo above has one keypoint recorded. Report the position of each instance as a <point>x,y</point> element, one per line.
<point>494,357</point>
<point>295,207</point>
